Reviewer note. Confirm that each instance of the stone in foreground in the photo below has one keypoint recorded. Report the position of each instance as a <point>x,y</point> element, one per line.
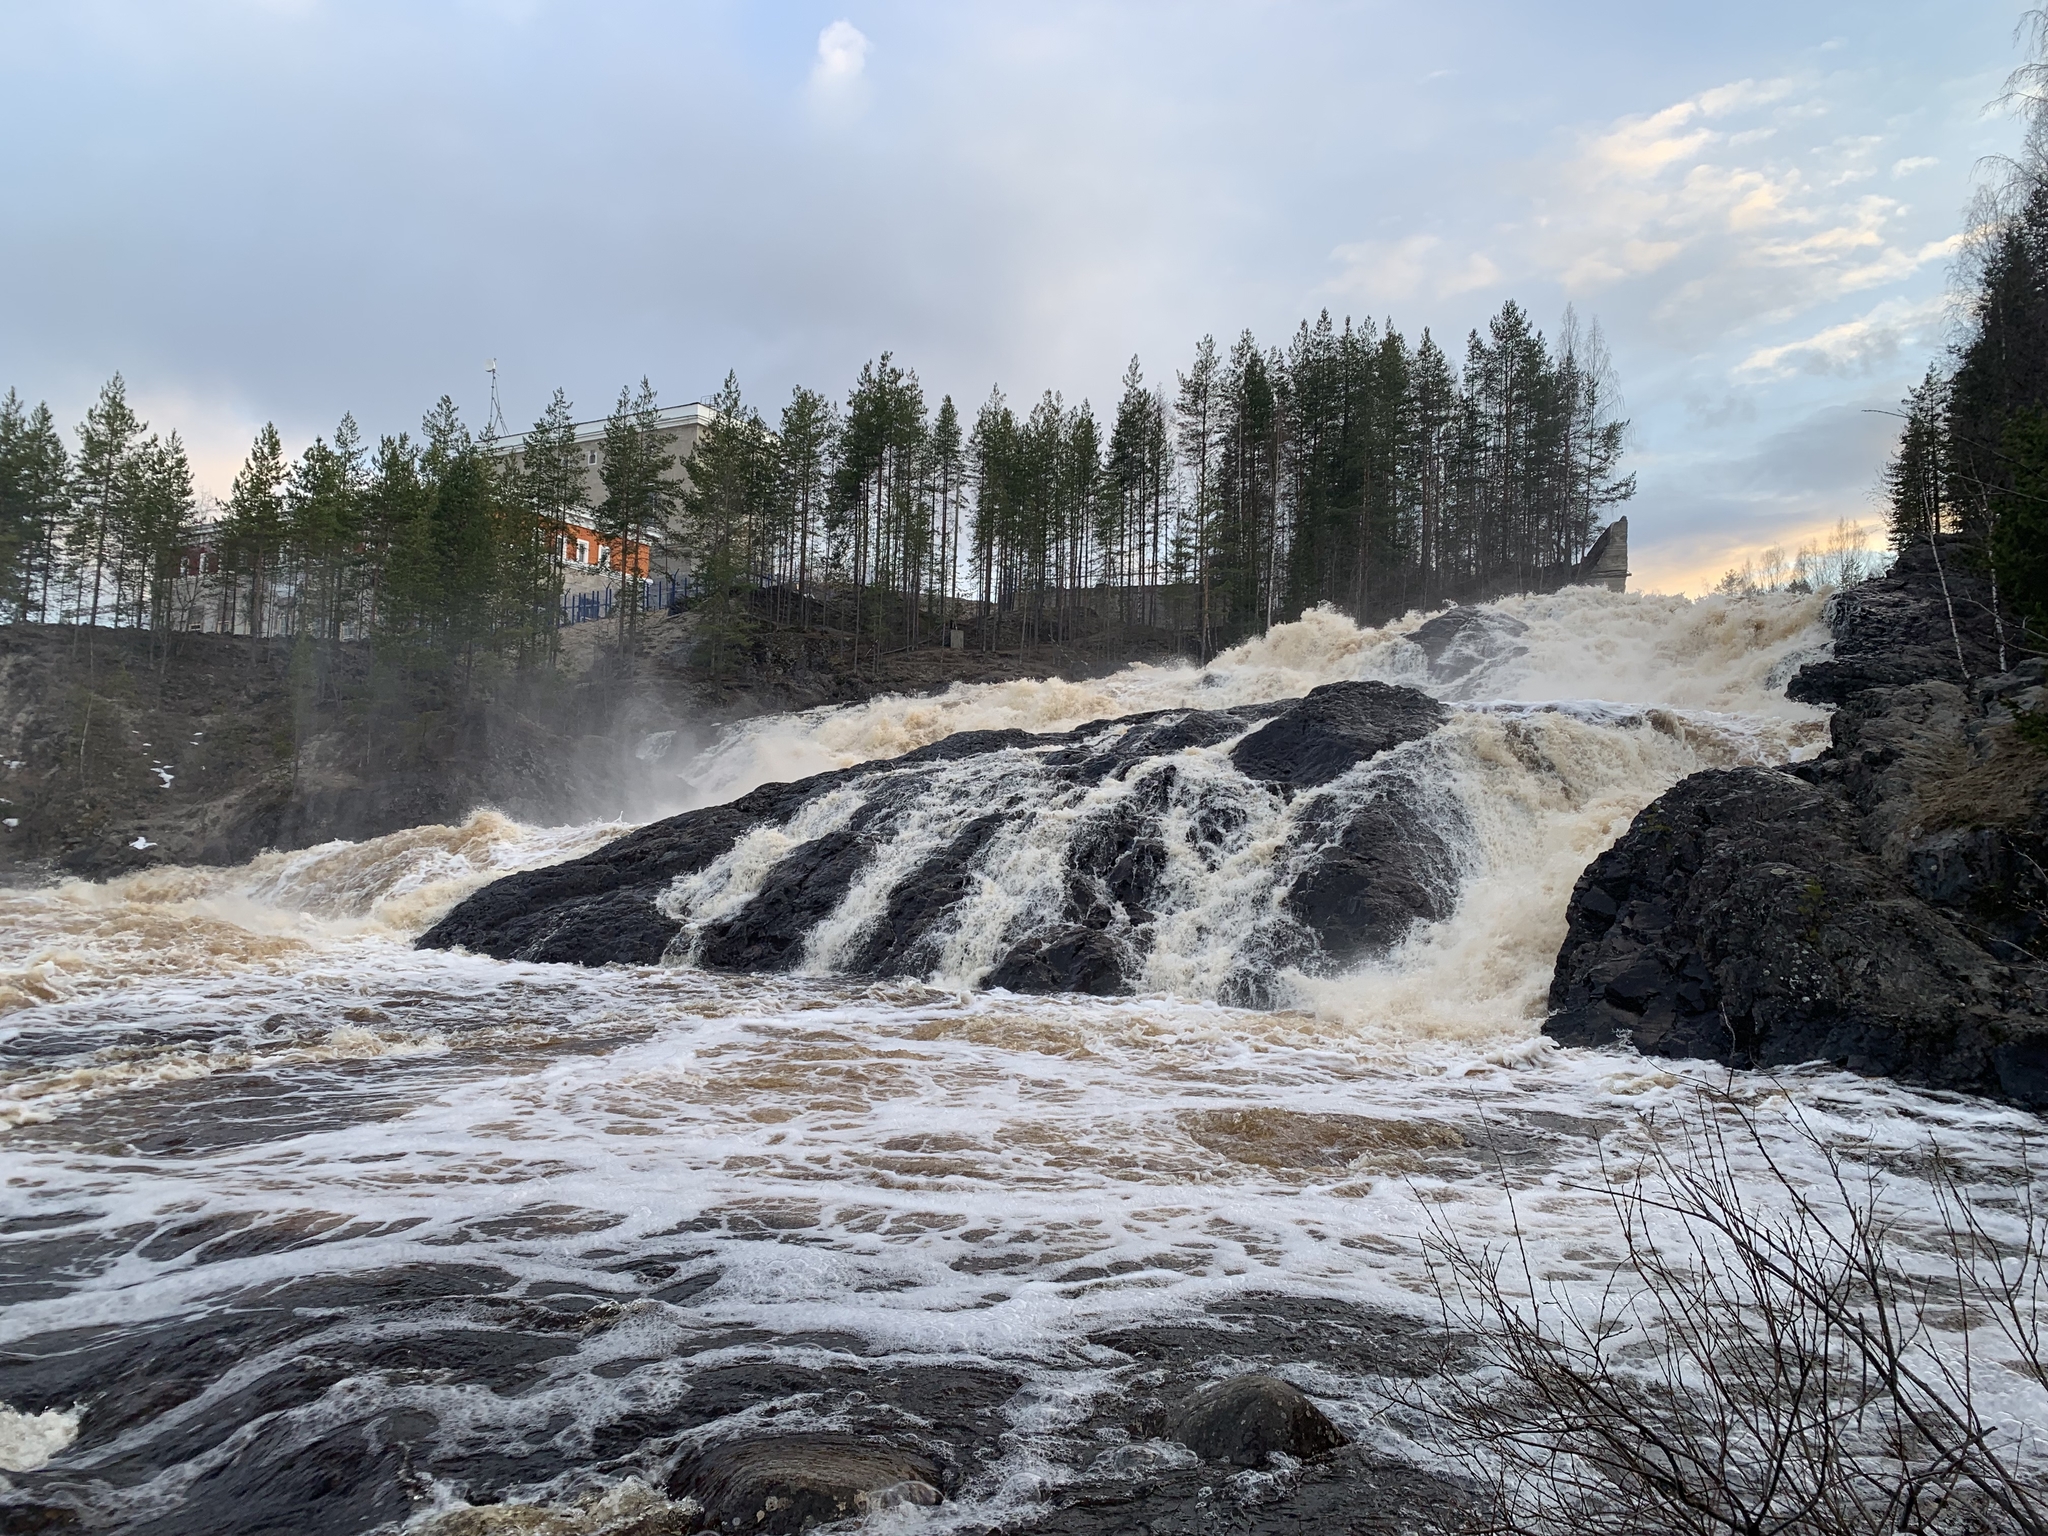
<point>780,1484</point>
<point>1249,1418</point>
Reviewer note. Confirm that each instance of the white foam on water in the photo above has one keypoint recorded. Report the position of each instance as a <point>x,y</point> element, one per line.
<point>32,1440</point>
<point>1706,654</point>
<point>735,878</point>
<point>941,1173</point>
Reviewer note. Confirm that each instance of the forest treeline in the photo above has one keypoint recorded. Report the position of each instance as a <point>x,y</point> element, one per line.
<point>1972,458</point>
<point>1350,467</point>
<point>440,549</point>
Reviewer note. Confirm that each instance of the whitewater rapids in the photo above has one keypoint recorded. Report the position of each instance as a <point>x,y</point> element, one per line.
<point>218,1081</point>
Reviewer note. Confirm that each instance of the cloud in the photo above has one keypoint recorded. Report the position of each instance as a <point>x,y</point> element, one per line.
<point>1912,163</point>
<point>1859,346</point>
<point>1706,512</point>
<point>842,58</point>
<point>1740,221</point>
<point>1379,270</point>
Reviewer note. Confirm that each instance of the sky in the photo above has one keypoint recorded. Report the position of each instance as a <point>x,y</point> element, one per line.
<point>287,209</point>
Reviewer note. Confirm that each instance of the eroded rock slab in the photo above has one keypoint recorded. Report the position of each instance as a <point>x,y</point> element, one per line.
<point>881,869</point>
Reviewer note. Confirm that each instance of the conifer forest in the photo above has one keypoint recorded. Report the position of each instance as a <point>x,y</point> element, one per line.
<point>1972,456</point>
<point>1351,467</point>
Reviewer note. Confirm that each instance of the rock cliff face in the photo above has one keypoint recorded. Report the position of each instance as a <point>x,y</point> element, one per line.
<point>120,749</point>
<point>1058,856</point>
<point>1880,907</point>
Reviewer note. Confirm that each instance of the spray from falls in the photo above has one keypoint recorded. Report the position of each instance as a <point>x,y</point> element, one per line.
<point>1571,711</point>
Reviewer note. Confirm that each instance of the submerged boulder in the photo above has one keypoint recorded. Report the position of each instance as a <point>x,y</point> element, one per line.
<point>1071,960</point>
<point>781,1484</point>
<point>1333,730</point>
<point>1042,863</point>
<point>1461,642</point>
<point>1249,1418</point>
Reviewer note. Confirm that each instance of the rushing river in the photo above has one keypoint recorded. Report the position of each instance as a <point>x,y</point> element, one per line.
<point>308,1230</point>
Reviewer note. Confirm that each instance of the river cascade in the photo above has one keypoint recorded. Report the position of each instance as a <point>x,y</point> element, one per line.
<point>958,1092</point>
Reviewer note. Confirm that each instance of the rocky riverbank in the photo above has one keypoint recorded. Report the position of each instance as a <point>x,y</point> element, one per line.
<point>1881,906</point>
<point>120,750</point>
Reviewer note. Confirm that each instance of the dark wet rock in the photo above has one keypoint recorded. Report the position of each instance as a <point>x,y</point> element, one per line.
<point>1740,919</point>
<point>1896,629</point>
<point>1369,864</point>
<point>776,1484</point>
<point>1460,641</point>
<point>1259,1331</point>
<point>1072,960</point>
<point>340,1484</point>
<point>1880,907</point>
<point>1248,1418</point>
<point>907,939</point>
<point>1347,1493</point>
<point>21,1515</point>
<point>324,1396</point>
<point>1332,730</point>
<point>600,908</point>
<point>1391,867</point>
<point>1135,1477</point>
<point>801,891</point>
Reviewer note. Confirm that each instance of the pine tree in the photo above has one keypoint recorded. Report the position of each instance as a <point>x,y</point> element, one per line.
<point>1137,474</point>
<point>810,437</point>
<point>163,528</point>
<point>462,540</point>
<point>723,515</point>
<point>1916,481</point>
<point>946,475</point>
<point>397,537</point>
<point>33,507</point>
<point>323,531</point>
<point>548,490</point>
<point>102,478</point>
<point>2003,368</point>
<point>2019,522</point>
<point>1198,419</point>
<point>992,453</point>
<point>255,526</point>
<point>639,498</point>
<point>1435,420</point>
<point>875,499</point>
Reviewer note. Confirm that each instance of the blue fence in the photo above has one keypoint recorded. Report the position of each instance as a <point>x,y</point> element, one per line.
<point>655,592</point>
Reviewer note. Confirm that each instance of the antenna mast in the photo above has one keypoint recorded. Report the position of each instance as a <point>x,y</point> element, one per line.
<point>494,425</point>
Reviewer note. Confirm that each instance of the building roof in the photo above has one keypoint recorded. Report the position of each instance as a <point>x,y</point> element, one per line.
<point>695,414</point>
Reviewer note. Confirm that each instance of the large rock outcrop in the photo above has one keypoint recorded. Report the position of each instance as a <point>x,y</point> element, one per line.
<point>884,862</point>
<point>1880,907</point>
